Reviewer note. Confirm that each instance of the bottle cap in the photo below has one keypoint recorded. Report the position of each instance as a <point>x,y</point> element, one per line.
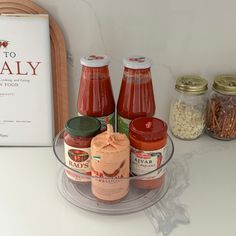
<point>137,62</point>
<point>95,60</point>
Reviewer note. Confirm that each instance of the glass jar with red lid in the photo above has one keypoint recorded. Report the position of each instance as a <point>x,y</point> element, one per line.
<point>136,98</point>
<point>78,134</point>
<point>95,96</point>
<point>148,139</point>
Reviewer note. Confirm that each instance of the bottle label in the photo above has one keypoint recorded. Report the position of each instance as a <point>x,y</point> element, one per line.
<point>123,125</point>
<point>110,119</point>
<point>78,159</point>
<point>143,162</point>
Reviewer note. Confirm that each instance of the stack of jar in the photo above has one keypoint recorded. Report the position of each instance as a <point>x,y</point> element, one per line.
<point>191,113</point>
<point>147,134</point>
<point>91,146</point>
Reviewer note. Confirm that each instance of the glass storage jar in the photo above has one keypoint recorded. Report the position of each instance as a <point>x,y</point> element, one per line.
<point>148,139</point>
<point>78,134</point>
<point>221,108</point>
<point>187,112</point>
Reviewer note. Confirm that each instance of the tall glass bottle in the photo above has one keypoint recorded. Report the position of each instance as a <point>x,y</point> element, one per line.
<point>95,96</point>
<point>136,98</point>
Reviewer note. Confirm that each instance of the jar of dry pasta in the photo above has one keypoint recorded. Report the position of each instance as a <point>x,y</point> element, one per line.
<point>187,112</point>
<point>221,108</point>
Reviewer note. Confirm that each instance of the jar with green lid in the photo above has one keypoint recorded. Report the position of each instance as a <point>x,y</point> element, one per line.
<point>187,111</point>
<point>78,134</point>
<point>221,108</point>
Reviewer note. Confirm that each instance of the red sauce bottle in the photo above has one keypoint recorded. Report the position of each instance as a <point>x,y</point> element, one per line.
<point>148,138</point>
<point>95,96</point>
<point>136,98</point>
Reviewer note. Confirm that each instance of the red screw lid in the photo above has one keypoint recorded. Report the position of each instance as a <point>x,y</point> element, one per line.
<point>148,128</point>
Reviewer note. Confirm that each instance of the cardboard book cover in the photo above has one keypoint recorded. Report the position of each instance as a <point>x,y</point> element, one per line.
<point>26,105</point>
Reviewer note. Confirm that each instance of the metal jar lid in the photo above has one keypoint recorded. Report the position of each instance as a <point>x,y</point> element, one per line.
<point>225,84</point>
<point>83,126</point>
<point>191,84</point>
<point>148,129</point>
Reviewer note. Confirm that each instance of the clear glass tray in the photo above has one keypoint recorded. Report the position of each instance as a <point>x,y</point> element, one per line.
<point>138,197</point>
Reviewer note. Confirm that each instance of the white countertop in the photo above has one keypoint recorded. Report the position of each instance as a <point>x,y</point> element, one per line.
<point>30,204</point>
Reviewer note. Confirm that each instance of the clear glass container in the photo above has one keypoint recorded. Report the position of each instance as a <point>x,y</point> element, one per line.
<point>79,132</point>
<point>136,97</point>
<point>221,108</point>
<point>188,108</point>
<point>95,97</point>
<point>148,138</point>
<point>80,193</point>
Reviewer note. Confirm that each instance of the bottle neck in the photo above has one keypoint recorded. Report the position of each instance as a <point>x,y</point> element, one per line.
<point>137,73</point>
<point>95,72</point>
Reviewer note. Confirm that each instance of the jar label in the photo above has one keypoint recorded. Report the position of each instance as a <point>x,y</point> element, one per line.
<point>110,180</point>
<point>111,171</point>
<point>110,119</point>
<point>78,159</point>
<point>143,162</point>
<point>123,125</point>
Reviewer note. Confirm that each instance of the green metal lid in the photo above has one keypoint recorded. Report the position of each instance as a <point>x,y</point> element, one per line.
<point>191,84</point>
<point>225,84</point>
<point>83,126</point>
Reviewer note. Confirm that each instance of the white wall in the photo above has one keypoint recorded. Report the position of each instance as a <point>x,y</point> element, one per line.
<point>181,37</point>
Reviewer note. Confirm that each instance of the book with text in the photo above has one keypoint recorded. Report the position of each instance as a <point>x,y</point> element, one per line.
<point>26,115</point>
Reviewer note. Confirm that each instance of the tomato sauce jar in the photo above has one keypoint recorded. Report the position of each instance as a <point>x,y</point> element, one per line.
<point>110,164</point>
<point>95,96</point>
<point>136,98</point>
<point>148,139</point>
<point>78,134</point>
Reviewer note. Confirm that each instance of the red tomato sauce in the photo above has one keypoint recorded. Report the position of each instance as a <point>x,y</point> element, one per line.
<point>78,142</point>
<point>95,92</point>
<point>136,94</point>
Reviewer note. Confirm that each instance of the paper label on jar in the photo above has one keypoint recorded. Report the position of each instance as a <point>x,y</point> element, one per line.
<point>110,119</point>
<point>110,189</point>
<point>111,177</point>
<point>123,125</point>
<point>78,159</point>
<point>143,162</point>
